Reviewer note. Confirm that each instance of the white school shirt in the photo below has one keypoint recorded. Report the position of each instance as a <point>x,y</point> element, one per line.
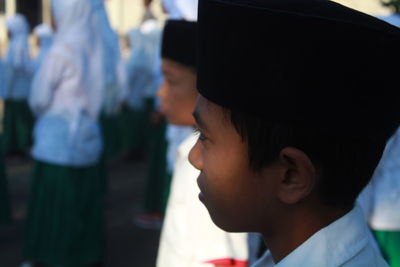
<point>189,237</point>
<point>66,132</point>
<point>346,242</point>
<point>175,135</point>
<point>380,200</point>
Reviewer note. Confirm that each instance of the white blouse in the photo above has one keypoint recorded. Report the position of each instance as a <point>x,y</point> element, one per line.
<point>67,131</point>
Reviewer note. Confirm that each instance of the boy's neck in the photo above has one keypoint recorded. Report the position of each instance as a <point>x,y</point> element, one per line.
<point>294,228</point>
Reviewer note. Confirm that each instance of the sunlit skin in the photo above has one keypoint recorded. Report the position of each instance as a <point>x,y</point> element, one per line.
<point>280,201</point>
<point>178,93</point>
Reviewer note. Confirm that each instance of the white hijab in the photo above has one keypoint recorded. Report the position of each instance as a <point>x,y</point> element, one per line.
<point>110,44</point>
<point>18,55</point>
<point>114,75</point>
<point>188,9</point>
<point>171,9</point>
<point>78,31</point>
<point>181,9</point>
<point>45,35</point>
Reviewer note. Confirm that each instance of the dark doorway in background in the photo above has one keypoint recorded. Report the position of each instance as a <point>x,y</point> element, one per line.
<point>2,6</point>
<point>32,9</point>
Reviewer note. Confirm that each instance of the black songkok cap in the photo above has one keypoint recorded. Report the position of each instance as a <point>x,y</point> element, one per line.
<point>179,42</point>
<point>307,61</point>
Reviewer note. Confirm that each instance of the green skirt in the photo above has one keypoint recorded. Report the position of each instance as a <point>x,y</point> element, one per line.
<point>133,126</point>
<point>5,207</point>
<point>389,243</point>
<point>167,190</point>
<point>157,172</point>
<point>110,129</point>
<point>65,221</point>
<point>17,126</point>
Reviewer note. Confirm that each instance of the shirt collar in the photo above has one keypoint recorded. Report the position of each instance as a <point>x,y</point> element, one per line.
<point>334,245</point>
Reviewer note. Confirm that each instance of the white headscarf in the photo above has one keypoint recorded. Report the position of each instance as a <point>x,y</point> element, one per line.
<point>111,50</point>
<point>113,71</point>
<point>172,10</point>
<point>18,55</point>
<point>181,9</point>
<point>188,9</point>
<point>45,35</point>
<point>78,31</point>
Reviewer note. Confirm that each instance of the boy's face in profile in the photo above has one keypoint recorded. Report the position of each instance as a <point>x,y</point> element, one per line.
<point>235,196</point>
<point>178,93</point>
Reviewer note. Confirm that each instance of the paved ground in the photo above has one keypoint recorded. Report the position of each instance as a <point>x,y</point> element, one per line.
<point>127,245</point>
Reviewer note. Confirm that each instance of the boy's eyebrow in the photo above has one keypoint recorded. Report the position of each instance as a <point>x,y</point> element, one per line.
<point>199,121</point>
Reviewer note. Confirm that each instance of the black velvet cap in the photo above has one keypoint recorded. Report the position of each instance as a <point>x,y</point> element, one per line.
<point>179,42</point>
<point>309,61</point>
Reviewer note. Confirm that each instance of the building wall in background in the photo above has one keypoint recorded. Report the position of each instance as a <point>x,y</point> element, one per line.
<point>125,14</point>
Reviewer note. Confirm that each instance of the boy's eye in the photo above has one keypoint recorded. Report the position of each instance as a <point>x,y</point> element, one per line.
<point>202,137</point>
<point>172,82</point>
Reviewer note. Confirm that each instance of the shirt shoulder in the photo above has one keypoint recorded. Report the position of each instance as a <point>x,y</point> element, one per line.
<point>368,256</point>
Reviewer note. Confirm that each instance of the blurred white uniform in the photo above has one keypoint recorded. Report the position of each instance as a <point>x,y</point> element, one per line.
<point>189,237</point>
<point>67,92</point>
<point>18,64</point>
<point>143,65</point>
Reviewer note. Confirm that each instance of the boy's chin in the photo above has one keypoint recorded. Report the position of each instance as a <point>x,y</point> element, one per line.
<point>228,225</point>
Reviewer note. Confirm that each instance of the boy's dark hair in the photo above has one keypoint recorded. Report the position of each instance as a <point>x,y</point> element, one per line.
<point>344,164</point>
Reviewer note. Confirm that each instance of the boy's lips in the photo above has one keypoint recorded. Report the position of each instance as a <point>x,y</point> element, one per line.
<point>201,195</point>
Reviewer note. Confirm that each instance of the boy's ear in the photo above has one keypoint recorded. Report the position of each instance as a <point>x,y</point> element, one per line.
<point>298,177</point>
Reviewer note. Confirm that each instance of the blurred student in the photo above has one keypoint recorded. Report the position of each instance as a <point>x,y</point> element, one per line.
<point>5,207</point>
<point>176,134</point>
<point>142,68</point>
<point>44,36</point>
<point>289,136</point>
<point>114,76</point>
<point>144,71</point>
<point>65,220</point>
<point>189,237</point>
<point>18,120</point>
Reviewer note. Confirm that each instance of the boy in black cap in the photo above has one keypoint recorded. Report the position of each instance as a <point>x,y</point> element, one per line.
<point>289,134</point>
